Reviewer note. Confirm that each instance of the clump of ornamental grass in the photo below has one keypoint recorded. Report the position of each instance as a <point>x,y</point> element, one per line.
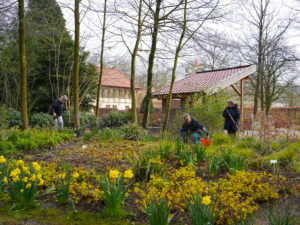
<point>115,190</point>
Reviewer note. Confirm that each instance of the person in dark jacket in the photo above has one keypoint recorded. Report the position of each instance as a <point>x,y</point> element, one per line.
<point>57,109</point>
<point>192,128</point>
<point>232,118</point>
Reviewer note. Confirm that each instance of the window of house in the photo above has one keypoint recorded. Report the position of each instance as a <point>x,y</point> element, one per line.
<point>107,106</point>
<point>122,94</point>
<point>127,107</point>
<point>105,93</point>
<point>115,107</point>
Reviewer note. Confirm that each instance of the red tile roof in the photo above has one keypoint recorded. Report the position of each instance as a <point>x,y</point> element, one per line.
<point>201,80</point>
<point>114,78</point>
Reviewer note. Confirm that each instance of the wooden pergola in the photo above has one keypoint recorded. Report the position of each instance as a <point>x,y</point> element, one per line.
<point>207,82</point>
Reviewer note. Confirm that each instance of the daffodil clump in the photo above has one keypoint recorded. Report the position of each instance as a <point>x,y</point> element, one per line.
<point>83,184</point>
<point>3,173</point>
<point>115,187</point>
<point>233,197</point>
<point>22,182</point>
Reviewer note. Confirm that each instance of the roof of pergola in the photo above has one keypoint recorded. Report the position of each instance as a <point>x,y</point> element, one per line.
<point>207,81</point>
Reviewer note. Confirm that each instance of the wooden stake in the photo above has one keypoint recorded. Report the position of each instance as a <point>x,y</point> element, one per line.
<point>70,106</point>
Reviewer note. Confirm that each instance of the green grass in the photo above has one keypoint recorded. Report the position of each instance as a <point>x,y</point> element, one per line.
<point>55,216</point>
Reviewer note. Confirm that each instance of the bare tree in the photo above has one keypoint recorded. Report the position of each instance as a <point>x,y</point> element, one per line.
<point>158,21</point>
<point>101,58</point>
<point>22,52</point>
<point>76,67</point>
<point>266,28</point>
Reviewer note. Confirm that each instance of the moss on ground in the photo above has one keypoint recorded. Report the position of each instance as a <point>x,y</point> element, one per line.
<point>55,216</point>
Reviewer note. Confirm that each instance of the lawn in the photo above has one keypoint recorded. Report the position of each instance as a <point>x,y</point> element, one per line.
<point>101,178</point>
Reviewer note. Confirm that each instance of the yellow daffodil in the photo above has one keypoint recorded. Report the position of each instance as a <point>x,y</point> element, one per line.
<point>25,179</point>
<point>128,174</point>
<point>75,175</point>
<point>28,185</point>
<point>114,174</point>
<point>4,180</point>
<point>36,166</point>
<point>25,169</point>
<point>21,190</point>
<point>33,178</point>
<point>41,182</point>
<point>206,200</point>
<point>20,163</point>
<point>2,159</point>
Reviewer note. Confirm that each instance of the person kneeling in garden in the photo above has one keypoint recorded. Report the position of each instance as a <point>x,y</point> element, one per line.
<point>57,109</point>
<point>192,128</point>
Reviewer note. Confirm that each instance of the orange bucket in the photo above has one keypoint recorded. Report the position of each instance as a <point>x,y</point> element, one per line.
<point>205,142</point>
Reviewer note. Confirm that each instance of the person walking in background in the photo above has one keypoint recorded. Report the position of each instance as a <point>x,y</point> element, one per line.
<point>232,118</point>
<point>57,109</point>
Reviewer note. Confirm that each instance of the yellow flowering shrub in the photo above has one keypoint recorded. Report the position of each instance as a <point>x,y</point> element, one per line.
<point>235,196</point>
<point>179,186</point>
<point>239,194</point>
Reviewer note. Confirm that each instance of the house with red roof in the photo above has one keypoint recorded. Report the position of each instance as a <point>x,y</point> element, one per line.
<point>115,92</point>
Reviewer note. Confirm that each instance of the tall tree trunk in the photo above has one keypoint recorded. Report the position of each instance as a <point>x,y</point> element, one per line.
<point>76,67</point>
<point>259,63</point>
<point>169,100</point>
<point>148,96</point>
<point>133,57</point>
<point>101,59</point>
<point>22,52</point>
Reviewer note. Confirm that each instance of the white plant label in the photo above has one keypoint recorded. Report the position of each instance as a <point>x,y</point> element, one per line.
<point>273,161</point>
<point>83,146</point>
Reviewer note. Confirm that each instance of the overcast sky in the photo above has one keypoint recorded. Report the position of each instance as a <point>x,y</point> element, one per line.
<point>233,28</point>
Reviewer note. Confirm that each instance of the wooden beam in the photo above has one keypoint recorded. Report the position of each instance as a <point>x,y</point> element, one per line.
<point>235,89</point>
<point>241,101</point>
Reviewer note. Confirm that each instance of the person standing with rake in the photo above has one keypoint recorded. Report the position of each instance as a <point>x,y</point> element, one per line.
<point>232,118</point>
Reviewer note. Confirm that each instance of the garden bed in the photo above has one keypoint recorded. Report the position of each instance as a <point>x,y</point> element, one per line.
<point>160,168</point>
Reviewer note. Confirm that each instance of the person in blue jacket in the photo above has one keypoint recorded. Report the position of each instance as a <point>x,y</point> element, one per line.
<point>232,118</point>
<point>192,128</point>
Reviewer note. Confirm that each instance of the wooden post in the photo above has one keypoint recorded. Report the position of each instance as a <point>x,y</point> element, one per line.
<point>241,101</point>
<point>69,105</point>
<point>164,105</point>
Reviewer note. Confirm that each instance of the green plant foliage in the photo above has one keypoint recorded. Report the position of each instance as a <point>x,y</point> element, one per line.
<point>114,194</point>
<point>14,117</point>
<point>147,165</point>
<point>89,120</point>
<point>275,218</point>
<point>3,117</point>
<point>131,132</point>
<point>207,109</point>
<point>158,212</point>
<point>41,120</point>
<point>165,149</point>
<point>113,119</point>
<point>28,140</point>
<point>108,134</point>
<point>63,187</point>
<point>221,138</point>
<point>200,212</point>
